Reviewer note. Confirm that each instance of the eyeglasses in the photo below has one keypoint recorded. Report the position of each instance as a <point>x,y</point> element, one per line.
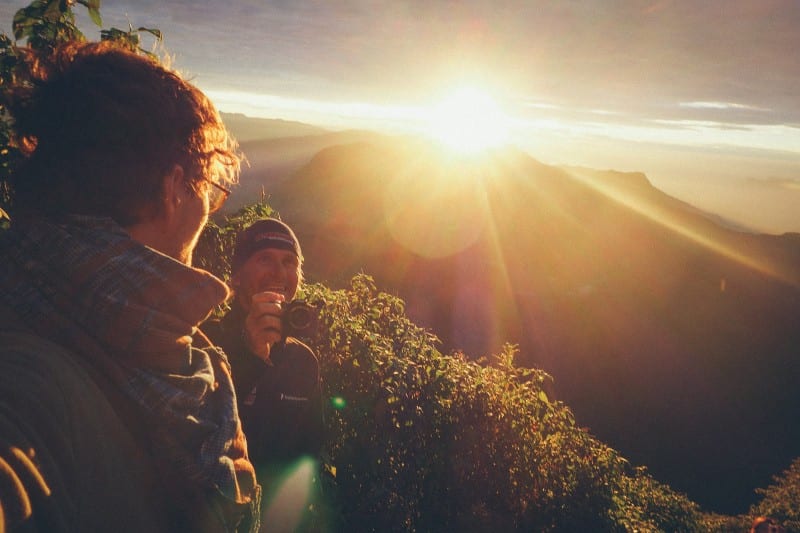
<point>217,197</point>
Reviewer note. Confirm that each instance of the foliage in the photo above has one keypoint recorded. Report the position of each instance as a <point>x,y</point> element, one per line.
<point>645,504</point>
<point>422,441</point>
<point>717,523</point>
<point>43,25</point>
<point>782,498</point>
<point>47,23</point>
<point>131,38</point>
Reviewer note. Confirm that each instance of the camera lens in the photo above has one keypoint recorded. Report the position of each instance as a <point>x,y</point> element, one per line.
<point>299,317</point>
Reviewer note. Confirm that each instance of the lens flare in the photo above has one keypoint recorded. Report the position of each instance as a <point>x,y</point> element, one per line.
<point>291,498</point>
<point>338,403</point>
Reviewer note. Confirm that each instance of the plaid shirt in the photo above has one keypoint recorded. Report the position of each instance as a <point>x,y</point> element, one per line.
<point>130,313</point>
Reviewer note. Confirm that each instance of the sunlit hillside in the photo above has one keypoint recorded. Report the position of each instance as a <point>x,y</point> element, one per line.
<point>270,160</point>
<point>660,326</point>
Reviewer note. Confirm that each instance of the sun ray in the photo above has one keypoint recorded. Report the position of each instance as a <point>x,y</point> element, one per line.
<point>665,219</point>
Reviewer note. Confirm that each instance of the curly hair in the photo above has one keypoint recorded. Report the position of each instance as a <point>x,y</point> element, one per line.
<point>101,126</point>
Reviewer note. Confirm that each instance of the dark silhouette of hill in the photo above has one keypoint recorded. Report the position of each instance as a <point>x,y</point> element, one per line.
<point>673,338</point>
<point>272,159</point>
<point>245,128</point>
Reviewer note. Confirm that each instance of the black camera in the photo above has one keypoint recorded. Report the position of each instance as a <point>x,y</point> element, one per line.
<point>299,319</point>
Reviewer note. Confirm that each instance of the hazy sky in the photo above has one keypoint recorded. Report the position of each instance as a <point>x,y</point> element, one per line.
<point>704,97</point>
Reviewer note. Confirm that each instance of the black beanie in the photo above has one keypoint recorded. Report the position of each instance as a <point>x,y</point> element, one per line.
<point>266,233</point>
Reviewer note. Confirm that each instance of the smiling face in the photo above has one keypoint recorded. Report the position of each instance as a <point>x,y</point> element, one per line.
<point>269,269</point>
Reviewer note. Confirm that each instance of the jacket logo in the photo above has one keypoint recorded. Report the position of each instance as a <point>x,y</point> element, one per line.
<point>289,398</point>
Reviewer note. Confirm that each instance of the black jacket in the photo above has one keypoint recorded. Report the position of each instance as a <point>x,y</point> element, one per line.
<point>280,405</point>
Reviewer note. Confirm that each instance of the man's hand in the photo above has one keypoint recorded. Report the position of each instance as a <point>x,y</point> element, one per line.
<point>262,327</point>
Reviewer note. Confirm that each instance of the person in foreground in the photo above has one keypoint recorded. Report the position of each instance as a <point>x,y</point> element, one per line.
<point>276,377</point>
<point>112,419</point>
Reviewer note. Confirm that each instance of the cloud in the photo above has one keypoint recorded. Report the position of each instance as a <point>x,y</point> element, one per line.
<point>720,105</point>
<point>614,54</point>
<point>783,184</point>
<point>668,59</point>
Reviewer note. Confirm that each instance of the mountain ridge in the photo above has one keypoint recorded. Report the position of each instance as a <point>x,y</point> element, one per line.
<point>612,286</point>
<point>660,325</point>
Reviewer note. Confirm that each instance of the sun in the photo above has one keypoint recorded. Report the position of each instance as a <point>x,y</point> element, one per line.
<point>468,121</point>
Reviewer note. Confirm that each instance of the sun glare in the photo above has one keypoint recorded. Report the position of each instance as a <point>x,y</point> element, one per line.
<point>468,121</point>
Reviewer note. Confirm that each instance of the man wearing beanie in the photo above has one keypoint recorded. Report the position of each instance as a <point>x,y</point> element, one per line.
<point>276,377</point>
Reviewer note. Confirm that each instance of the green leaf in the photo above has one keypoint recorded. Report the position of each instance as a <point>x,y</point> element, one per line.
<point>94,14</point>
<point>152,31</point>
<point>22,24</point>
<point>543,396</point>
<point>90,4</point>
<point>54,11</point>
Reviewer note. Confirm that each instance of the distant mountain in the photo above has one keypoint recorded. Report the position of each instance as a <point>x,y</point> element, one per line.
<point>717,219</point>
<point>672,337</point>
<point>246,128</point>
<point>272,160</point>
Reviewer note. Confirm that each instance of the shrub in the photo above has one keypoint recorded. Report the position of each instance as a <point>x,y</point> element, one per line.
<point>644,504</point>
<point>782,499</point>
<point>422,441</point>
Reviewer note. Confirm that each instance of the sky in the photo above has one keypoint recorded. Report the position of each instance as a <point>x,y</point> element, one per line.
<point>703,97</point>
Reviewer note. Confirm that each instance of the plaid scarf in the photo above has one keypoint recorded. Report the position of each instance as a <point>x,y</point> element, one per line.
<point>130,312</point>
